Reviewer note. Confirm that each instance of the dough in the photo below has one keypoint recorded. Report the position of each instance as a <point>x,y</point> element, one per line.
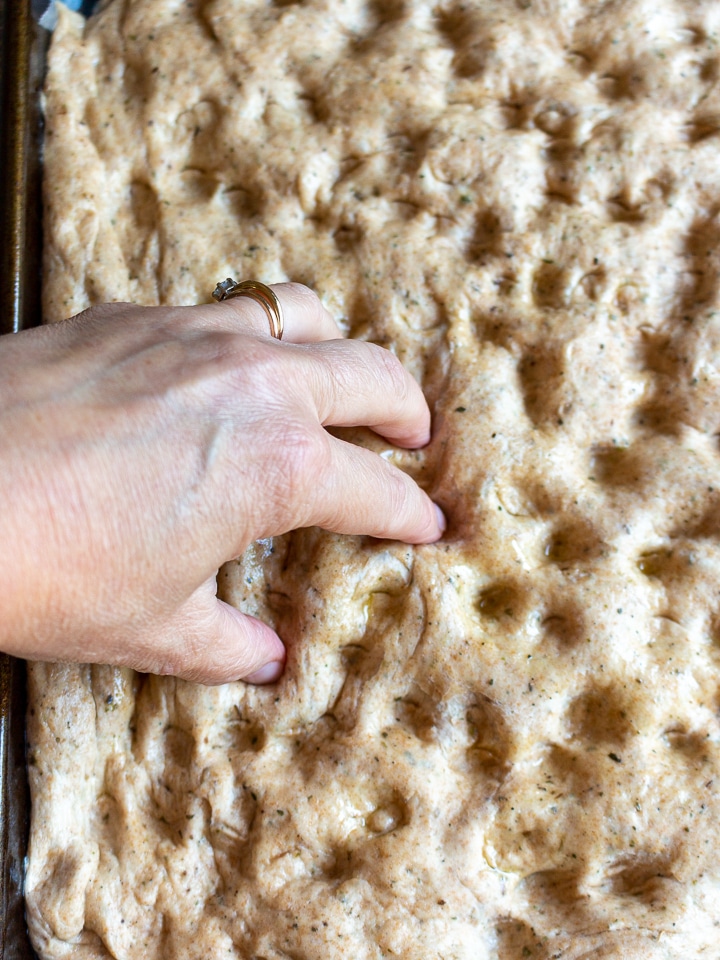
<point>504,745</point>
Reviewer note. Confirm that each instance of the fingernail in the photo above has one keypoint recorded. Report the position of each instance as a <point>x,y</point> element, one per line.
<point>268,674</point>
<point>442,522</point>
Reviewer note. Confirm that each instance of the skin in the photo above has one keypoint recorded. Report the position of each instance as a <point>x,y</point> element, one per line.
<point>130,434</point>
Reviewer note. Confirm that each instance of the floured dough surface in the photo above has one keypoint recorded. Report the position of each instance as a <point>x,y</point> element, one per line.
<point>504,745</point>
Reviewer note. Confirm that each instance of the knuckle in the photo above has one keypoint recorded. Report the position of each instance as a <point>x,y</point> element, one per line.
<point>236,354</point>
<point>393,372</point>
<point>209,674</point>
<point>179,321</point>
<point>159,653</point>
<point>408,506</point>
<point>399,493</point>
<point>305,453</point>
<point>106,311</point>
<point>304,296</point>
<point>307,301</point>
<point>248,364</point>
<point>300,457</point>
<point>185,649</point>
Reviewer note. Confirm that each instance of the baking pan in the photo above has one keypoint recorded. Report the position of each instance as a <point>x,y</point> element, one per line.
<point>23,46</point>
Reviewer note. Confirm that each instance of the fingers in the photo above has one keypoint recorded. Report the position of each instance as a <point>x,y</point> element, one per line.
<point>212,642</point>
<point>354,383</point>
<point>306,319</point>
<point>360,493</point>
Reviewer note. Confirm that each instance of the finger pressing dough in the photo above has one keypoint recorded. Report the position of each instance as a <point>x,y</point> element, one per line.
<point>497,747</point>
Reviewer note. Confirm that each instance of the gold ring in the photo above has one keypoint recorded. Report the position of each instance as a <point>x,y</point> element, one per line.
<point>259,292</point>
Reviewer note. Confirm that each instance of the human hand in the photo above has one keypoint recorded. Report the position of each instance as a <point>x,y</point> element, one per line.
<point>142,447</point>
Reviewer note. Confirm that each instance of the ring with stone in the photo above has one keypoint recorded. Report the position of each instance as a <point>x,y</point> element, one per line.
<point>259,292</point>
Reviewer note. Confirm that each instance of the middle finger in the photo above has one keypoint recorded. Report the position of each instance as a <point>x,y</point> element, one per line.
<point>355,383</point>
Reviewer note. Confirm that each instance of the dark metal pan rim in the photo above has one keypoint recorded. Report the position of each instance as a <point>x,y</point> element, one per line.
<point>23,45</point>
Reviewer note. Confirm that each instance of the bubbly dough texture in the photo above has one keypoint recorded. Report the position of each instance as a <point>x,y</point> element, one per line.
<point>505,745</point>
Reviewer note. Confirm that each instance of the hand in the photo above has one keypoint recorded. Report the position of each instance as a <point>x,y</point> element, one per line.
<point>142,447</point>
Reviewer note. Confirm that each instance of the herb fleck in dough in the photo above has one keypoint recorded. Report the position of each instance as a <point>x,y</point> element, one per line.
<point>503,745</point>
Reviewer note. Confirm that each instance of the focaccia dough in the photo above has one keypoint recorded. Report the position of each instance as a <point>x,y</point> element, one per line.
<point>504,745</point>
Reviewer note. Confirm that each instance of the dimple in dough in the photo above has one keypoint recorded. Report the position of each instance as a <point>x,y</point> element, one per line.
<point>504,745</point>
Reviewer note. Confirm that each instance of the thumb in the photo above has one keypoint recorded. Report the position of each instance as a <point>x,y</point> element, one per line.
<point>220,644</point>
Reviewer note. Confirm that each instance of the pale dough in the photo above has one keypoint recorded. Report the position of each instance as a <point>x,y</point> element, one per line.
<point>505,745</point>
